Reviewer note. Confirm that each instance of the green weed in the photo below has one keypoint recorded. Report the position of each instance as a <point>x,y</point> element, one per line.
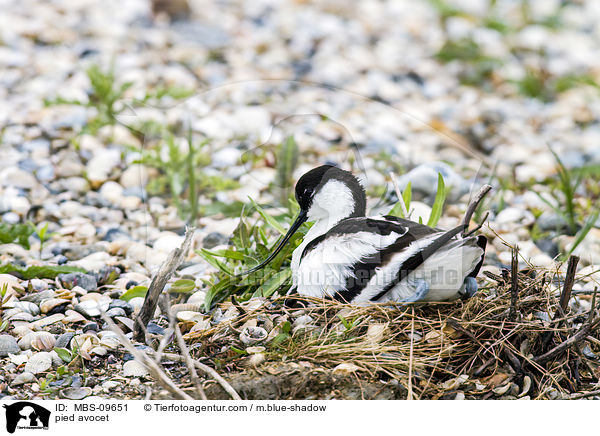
<point>563,188</point>
<point>38,271</point>
<point>15,233</point>
<point>286,163</point>
<point>402,207</point>
<point>481,70</point>
<point>181,176</point>
<point>251,245</point>
<point>438,203</point>
<point>108,96</point>
<point>41,232</point>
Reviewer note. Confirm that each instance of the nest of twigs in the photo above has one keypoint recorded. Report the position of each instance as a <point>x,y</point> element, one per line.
<point>517,338</point>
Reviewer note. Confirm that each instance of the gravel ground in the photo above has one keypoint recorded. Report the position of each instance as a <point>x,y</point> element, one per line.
<point>481,94</point>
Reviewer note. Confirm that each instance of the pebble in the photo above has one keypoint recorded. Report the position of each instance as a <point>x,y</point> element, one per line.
<point>111,191</point>
<point>126,307</point>
<point>91,308</point>
<point>550,221</point>
<point>214,239</point>
<point>168,242</point>
<point>134,176</point>
<point>548,246</point>
<point>90,327</point>
<point>116,235</point>
<point>86,281</point>
<point>510,218</point>
<point>90,191</point>
<point>116,311</point>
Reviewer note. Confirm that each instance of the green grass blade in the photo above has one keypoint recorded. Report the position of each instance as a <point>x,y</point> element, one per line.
<point>438,204</point>
<point>584,231</point>
<point>228,254</point>
<point>407,196</point>
<point>273,283</point>
<point>268,218</point>
<point>568,189</point>
<point>399,207</point>
<point>397,210</point>
<point>287,160</point>
<point>212,260</point>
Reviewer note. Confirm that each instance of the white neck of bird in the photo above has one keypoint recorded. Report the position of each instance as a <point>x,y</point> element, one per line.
<point>330,205</point>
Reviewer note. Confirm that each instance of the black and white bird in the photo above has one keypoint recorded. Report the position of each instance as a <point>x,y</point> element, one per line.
<point>357,259</point>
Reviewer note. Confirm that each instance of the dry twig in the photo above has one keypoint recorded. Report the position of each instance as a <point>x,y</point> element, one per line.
<point>581,334</point>
<point>208,370</point>
<point>473,206</point>
<point>155,371</point>
<point>158,283</point>
<point>514,285</point>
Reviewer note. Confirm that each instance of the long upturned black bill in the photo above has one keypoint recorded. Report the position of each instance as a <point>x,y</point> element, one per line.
<point>297,223</point>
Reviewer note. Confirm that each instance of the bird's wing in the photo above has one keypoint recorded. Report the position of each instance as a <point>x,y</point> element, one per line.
<point>356,247</point>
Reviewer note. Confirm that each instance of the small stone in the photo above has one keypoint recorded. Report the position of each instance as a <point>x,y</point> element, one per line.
<point>91,308</point>
<point>550,221</point>
<point>90,327</point>
<point>226,157</point>
<point>213,239</point>
<point>167,242</point>
<point>93,262</point>
<point>116,234</point>
<point>548,246</point>
<point>111,191</point>
<point>86,281</point>
<point>134,176</point>
<point>18,178</point>
<point>424,181</point>
<point>155,329</point>
<point>121,304</point>
<point>11,218</point>
<point>116,311</point>
<point>76,185</point>
<point>101,165</point>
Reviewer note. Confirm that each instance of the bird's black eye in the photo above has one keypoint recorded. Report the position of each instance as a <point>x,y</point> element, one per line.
<point>307,192</point>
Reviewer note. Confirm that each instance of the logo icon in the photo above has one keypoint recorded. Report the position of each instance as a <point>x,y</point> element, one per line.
<point>26,415</point>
